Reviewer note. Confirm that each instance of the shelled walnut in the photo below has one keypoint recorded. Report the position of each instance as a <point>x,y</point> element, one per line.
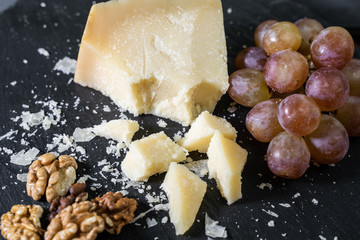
<point>50,176</point>
<point>22,222</point>
<point>116,210</point>
<point>78,220</point>
<point>77,195</point>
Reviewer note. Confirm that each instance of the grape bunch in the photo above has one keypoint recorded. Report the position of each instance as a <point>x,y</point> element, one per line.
<point>303,85</point>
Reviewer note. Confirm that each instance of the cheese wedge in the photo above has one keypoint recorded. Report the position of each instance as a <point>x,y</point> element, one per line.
<point>226,163</point>
<point>166,58</point>
<point>202,129</point>
<point>185,192</point>
<point>151,155</point>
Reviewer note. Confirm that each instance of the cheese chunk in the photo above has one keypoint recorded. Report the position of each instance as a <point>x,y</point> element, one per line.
<point>185,192</point>
<point>202,130</point>
<point>166,58</point>
<point>150,155</point>
<point>120,130</point>
<point>226,163</point>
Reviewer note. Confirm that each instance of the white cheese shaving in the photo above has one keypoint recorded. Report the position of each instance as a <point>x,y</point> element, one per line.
<point>315,201</point>
<point>83,135</point>
<point>43,51</point>
<point>212,229</point>
<point>161,123</point>
<point>263,185</point>
<point>270,213</point>
<point>8,135</point>
<point>271,223</point>
<point>24,158</point>
<point>200,167</point>
<point>285,205</point>
<point>22,177</point>
<point>151,222</point>
<point>158,207</point>
<point>66,65</point>
<point>164,220</point>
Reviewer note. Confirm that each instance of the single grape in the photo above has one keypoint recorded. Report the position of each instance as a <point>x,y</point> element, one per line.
<point>260,31</point>
<point>349,115</point>
<point>332,47</point>
<point>281,36</point>
<point>251,57</point>
<point>286,71</point>
<point>329,142</point>
<point>352,73</point>
<point>299,114</point>
<point>262,120</point>
<point>309,28</point>
<point>328,87</point>
<point>248,87</point>
<point>288,156</point>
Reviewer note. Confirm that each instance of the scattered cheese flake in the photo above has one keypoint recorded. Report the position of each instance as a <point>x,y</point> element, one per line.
<point>271,223</point>
<point>315,201</point>
<point>285,205</point>
<point>164,220</point>
<point>83,135</point>
<point>106,108</point>
<point>178,136</point>
<point>161,123</point>
<point>85,177</point>
<point>296,195</point>
<point>270,213</point>
<point>66,65</point>
<point>25,61</point>
<point>151,222</point>
<point>124,192</point>
<point>322,237</point>
<point>8,135</point>
<point>43,51</point>
<point>22,177</point>
<point>200,167</point>
<point>42,4</point>
<point>13,83</point>
<point>263,185</point>
<point>24,158</point>
<point>157,207</point>
<point>229,10</point>
<point>212,229</point>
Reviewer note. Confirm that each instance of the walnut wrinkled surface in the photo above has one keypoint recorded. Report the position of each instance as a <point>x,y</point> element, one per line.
<point>77,195</point>
<point>77,221</point>
<point>116,210</point>
<point>22,222</point>
<point>50,176</point>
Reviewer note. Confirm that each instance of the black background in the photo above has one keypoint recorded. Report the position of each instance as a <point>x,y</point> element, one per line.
<point>23,31</point>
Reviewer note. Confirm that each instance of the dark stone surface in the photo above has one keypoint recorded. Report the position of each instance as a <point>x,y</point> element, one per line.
<point>328,197</point>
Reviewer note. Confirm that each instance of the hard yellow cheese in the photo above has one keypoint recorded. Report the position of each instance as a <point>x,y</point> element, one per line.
<point>167,58</point>
<point>185,192</point>
<point>150,155</point>
<point>121,130</point>
<point>226,163</point>
<point>202,130</point>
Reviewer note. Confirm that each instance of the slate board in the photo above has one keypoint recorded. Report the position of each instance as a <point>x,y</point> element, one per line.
<point>324,203</point>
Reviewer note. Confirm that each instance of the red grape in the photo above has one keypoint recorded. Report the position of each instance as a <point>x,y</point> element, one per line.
<point>281,36</point>
<point>288,156</point>
<point>261,30</point>
<point>329,142</point>
<point>262,120</point>
<point>352,73</point>
<point>309,28</point>
<point>251,57</point>
<point>332,47</point>
<point>286,71</point>
<point>248,87</point>
<point>299,114</point>
<point>349,115</point>
<point>328,87</point>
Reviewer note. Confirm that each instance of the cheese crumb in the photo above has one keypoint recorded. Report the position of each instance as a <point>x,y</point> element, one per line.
<point>161,123</point>
<point>285,205</point>
<point>66,65</point>
<point>270,213</point>
<point>271,223</point>
<point>151,222</point>
<point>23,158</point>
<point>43,51</point>
<point>296,195</point>
<point>22,177</point>
<point>263,185</point>
<point>212,229</point>
<point>315,201</point>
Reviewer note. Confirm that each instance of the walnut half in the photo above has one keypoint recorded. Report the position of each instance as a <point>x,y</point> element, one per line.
<point>116,210</point>
<point>77,221</point>
<point>50,176</point>
<point>22,222</point>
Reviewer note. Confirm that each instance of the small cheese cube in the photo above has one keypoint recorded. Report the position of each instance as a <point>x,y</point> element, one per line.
<point>150,155</point>
<point>120,130</point>
<point>185,192</point>
<point>167,58</point>
<point>202,130</point>
<point>226,163</point>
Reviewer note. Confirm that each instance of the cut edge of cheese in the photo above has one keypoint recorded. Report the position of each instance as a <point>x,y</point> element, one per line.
<point>185,192</point>
<point>176,71</point>
<point>151,155</point>
<point>226,163</point>
<point>203,128</point>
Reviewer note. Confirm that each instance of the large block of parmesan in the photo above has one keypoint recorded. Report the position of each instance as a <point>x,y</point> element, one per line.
<point>151,155</point>
<point>185,192</point>
<point>202,129</point>
<point>226,163</point>
<point>166,58</point>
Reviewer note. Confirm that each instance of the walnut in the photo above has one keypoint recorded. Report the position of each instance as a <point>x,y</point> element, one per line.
<point>22,222</point>
<point>77,221</point>
<point>77,194</point>
<point>116,210</point>
<point>50,176</point>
